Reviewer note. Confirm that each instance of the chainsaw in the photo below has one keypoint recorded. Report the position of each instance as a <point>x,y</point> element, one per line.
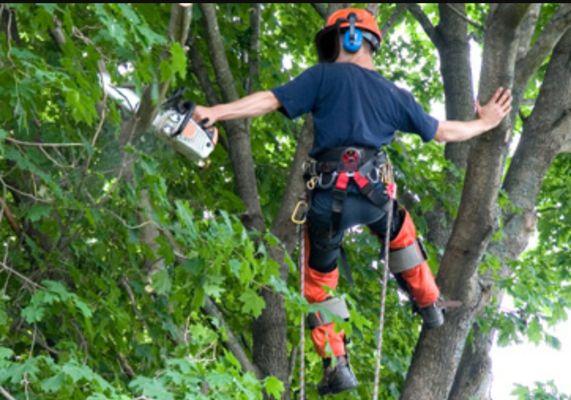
<point>173,123</point>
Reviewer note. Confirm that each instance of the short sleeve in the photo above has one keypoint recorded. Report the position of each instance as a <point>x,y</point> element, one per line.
<point>299,95</point>
<point>412,118</point>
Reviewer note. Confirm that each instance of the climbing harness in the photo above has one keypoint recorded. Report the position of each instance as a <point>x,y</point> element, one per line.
<point>388,180</point>
<point>337,167</point>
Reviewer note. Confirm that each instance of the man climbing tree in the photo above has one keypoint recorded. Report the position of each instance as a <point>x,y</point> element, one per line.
<point>356,112</point>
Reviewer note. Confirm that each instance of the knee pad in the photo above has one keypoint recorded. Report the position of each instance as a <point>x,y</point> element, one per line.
<point>322,327</point>
<point>406,250</point>
<point>333,306</point>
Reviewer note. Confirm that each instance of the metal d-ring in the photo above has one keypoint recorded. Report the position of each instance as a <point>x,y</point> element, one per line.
<point>376,180</point>
<point>328,184</point>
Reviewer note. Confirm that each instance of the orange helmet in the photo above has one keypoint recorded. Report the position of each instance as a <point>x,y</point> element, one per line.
<point>327,39</point>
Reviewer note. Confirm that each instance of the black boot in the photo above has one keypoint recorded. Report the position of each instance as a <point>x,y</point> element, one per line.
<point>336,379</point>
<point>432,316</point>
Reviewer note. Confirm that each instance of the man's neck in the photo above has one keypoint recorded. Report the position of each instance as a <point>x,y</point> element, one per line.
<point>361,59</point>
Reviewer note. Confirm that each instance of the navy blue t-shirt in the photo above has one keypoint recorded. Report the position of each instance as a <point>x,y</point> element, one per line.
<point>353,106</point>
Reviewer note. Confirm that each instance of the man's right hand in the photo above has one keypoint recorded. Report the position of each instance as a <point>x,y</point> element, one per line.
<point>206,116</point>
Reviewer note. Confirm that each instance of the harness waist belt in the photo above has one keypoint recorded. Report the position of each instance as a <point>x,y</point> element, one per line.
<point>332,306</point>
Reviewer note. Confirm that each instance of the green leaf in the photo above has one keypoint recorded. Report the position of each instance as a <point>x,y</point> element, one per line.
<point>33,313</point>
<point>38,211</point>
<point>5,353</point>
<point>53,384</point>
<point>152,388</point>
<point>252,303</point>
<point>274,387</point>
<point>178,60</point>
<point>161,282</point>
<point>534,331</point>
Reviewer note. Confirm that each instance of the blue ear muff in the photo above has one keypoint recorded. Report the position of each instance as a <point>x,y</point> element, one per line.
<point>352,41</point>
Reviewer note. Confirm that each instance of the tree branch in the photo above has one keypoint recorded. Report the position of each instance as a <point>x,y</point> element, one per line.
<point>232,341</point>
<point>218,53</point>
<point>282,227</point>
<point>201,72</point>
<point>373,8</point>
<point>424,22</point>
<point>464,17</point>
<point>239,140</point>
<point>321,9</point>
<point>254,50</point>
<point>393,18</point>
<point>6,394</point>
<point>548,38</point>
<point>212,310</point>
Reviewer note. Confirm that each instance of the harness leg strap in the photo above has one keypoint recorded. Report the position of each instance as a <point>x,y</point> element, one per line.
<point>334,306</point>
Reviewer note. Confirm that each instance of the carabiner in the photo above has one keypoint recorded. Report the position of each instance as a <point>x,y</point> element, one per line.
<point>312,183</point>
<point>299,215</point>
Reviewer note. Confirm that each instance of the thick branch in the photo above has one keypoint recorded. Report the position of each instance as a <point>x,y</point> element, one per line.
<point>424,22</point>
<point>254,50</point>
<point>464,17</point>
<point>231,341</point>
<point>239,140</point>
<point>550,35</point>
<point>373,8</point>
<point>201,72</point>
<point>218,53</point>
<point>321,9</point>
<point>393,18</point>
<point>474,226</point>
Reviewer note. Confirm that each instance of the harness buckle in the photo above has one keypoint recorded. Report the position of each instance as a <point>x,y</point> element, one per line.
<point>350,159</point>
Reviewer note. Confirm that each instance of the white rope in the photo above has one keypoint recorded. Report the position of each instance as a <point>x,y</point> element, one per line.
<point>301,232</point>
<point>379,352</point>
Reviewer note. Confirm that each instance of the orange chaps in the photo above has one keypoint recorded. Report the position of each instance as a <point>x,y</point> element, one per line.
<point>419,281</point>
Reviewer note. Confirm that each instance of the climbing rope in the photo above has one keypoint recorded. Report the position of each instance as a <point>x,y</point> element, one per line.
<point>302,322</point>
<point>388,180</point>
<point>299,218</point>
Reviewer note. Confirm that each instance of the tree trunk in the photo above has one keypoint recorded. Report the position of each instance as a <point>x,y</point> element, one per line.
<point>544,136</point>
<point>439,351</point>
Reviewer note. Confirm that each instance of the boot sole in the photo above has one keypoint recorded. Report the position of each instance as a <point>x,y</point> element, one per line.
<point>329,390</point>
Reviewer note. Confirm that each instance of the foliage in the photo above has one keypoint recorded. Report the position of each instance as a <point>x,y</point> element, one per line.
<point>84,310</point>
<point>541,391</point>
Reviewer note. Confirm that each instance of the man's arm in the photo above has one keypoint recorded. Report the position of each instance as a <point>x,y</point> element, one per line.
<point>490,115</point>
<point>253,105</point>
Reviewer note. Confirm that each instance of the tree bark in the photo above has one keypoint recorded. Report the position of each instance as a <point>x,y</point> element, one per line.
<point>438,351</point>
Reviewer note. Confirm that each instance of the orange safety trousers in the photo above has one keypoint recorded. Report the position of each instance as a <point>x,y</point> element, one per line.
<point>419,280</point>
